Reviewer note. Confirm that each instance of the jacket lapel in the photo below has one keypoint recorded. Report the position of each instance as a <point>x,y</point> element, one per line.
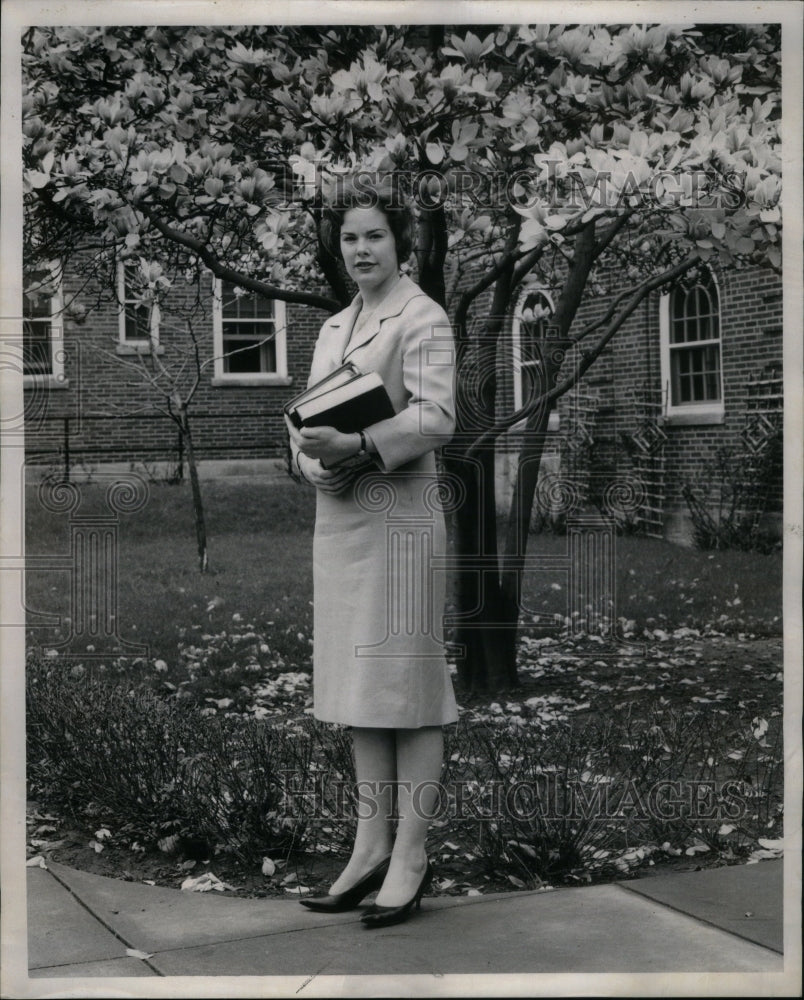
<point>392,305</point>
<point>339,327</point>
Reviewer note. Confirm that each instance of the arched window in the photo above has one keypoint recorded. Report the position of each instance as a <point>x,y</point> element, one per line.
<point>531,321</point>
<point>691,345</point>
<point>138,326</point>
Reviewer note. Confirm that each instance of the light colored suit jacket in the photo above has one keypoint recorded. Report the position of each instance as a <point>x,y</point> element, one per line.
<point>408,341</point>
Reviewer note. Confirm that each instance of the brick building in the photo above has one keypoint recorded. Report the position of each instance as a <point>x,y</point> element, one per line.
<point>87,384</point>
<point>688,374</point>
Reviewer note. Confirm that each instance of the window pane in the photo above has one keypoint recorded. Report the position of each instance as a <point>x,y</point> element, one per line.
<point>694,371</point>
<point>711,370</point>
<point>264,308</point>
<point>534,330</point>
<point>137,315</point>
<point>694,312</point>
<point>243,355</point>
<point>36,308</point>
<point>677,332</point>
<point>137,323</point>
<point>254,330</point>
<point>37,335</point>
<point>239,307</point>
<point>680,387</point>
<point>36,351</point>
<point>246,305</point>
<point>695,375</point>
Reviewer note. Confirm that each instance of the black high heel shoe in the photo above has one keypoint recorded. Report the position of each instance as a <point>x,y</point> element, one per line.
<point>384,916</point>
<point>348,900</point>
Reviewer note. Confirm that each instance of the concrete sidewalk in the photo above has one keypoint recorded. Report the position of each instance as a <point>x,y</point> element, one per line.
<point>721,920</point>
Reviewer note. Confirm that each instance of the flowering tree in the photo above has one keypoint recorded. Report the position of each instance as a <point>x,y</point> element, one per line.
<point>537,156</point>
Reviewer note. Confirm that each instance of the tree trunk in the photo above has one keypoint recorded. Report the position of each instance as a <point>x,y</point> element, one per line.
<point>518,528</point>
<point>431,253</point>
<point>198,506</point>
<point>527,478</point>
<point>487,659</point>
<point>489,595</point>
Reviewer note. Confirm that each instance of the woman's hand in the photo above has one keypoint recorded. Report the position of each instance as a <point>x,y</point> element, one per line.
<point>328,480</point>
<point>308,441</point>
<point>325,443</point>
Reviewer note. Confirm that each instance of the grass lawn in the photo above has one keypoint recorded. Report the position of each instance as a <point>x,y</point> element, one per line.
<point>260,545</point>
<point>260,549</point>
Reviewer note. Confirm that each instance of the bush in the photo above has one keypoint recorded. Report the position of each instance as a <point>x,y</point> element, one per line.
<point>728,506</point>
<point>572,803</point>
<point>533,804</point>
<point>161,771</point>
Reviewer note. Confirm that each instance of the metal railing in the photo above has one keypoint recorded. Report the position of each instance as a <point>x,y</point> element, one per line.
<point>72,445</point>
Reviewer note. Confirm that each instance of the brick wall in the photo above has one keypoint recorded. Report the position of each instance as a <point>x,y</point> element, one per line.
<point>751,340</point>
<point>113,413</point>
<point>751,332</point>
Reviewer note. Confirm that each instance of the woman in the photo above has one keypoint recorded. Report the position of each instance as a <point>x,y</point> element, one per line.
<point>390,684</point>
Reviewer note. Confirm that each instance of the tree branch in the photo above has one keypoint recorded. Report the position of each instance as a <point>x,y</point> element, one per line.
<point>510,255</point>
<point>545,399</point>
<point>198,366</point>
<point>526,265</point>
<point>581,265</point>
<point>609,235</point>
<point>605,317</point>
<point>228,274</point>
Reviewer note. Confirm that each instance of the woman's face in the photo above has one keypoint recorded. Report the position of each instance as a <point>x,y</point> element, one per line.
<point>368,249</point>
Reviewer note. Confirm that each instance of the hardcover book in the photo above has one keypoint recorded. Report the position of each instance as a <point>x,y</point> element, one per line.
<point>347,399</point>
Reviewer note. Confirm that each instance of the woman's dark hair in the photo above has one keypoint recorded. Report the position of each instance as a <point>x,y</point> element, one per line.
<point>365,191</point>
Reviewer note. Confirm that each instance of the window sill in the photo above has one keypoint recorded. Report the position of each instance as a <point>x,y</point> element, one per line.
<point>130,349</point>
<point>251,380</point>
<point>51,381</point>
<point>680,418</point>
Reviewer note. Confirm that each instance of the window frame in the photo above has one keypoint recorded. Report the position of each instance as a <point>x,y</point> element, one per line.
<point>701,411</point>
<point>55,377</point>
<point>138,345</point>
<point>222,377</point>
<point>517,364</point>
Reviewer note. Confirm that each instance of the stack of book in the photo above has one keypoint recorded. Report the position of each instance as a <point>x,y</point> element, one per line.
<point>347,399</point>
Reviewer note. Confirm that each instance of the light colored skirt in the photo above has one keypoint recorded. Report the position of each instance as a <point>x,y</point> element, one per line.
<point>378,657</point>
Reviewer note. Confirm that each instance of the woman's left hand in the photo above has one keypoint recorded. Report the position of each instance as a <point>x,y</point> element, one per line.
<point>327,444</point>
